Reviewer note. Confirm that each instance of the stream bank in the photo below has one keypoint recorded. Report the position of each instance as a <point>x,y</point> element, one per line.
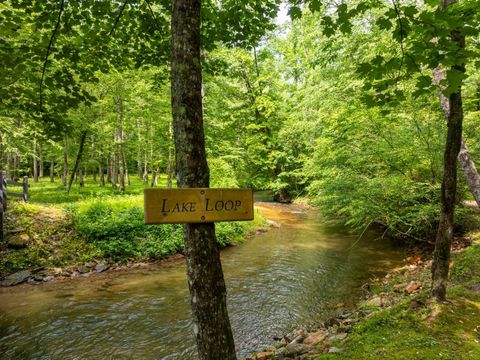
<point>397,319</point>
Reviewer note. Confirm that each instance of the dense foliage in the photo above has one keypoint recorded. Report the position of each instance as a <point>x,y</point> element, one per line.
<point>337,105</point>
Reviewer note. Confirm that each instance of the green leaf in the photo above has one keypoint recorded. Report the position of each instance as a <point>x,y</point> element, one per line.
<point>295,12</point>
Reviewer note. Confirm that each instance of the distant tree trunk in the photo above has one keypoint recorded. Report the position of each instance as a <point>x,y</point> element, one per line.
<point>139,150</point>
<point>145,170</point>
<point>65,163</point>
<point>52,170</point>
<point>212,329</point>
<point>81,180</point>
<point>101,174</point>
<point>40,156</point>
<point>154,178</point>
<point>35,161</point>
<point>77,160</point>
<point>441,254</point>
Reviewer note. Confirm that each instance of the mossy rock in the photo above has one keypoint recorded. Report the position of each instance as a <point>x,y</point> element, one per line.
<point>19,241</point>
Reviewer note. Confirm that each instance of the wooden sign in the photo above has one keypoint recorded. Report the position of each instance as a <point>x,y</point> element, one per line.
<point>175,206</point>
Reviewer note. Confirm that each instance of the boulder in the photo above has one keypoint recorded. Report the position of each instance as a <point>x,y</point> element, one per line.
<point>294,349</point>
<point>264,355</point>
<point>19,241</point>
<point>101,267</point>
<point>82,269</point>
<point>334,350</point>
<point>315,338</point>
<point>16,278</point>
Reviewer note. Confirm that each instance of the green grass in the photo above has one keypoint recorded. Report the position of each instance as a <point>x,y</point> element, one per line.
<point>96,223</point>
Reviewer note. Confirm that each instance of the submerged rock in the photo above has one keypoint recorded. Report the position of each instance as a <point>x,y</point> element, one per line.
<point>16,278</point>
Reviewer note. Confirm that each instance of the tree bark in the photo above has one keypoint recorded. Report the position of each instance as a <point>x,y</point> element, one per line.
<point>211,327</point>
<point>77,160</point>
<point>441,254</point>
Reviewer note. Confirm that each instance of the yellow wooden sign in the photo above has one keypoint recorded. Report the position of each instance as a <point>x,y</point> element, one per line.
<point>175,206</point>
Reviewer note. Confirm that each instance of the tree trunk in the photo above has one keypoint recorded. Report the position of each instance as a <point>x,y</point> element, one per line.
<point>145,169</point>
<point>65,164</point>
<point>212,330</point>
<point>441,254</point>
<point>52,170</point>
<point>77,160</point>
<point>40,156</point>
<point>469,171</point>
<point>466,163</point>
<point>81,180</point>
<point>35,161</point>
<point>101,175</point>
<point>139,150</point>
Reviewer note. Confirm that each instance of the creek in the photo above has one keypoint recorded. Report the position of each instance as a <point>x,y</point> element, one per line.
<point>290,276</point>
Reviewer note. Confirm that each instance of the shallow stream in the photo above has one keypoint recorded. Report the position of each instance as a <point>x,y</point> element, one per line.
<point>289,276</point>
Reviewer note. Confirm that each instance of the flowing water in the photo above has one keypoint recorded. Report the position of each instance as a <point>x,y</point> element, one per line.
<point>289,276</point>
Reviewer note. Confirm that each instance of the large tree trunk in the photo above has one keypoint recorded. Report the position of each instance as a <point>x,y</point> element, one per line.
<point>441,254</point>
<point>77,160</point>
<point>205,276</point>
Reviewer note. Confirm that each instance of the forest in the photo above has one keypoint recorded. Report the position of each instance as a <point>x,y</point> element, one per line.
<point>358,108</point>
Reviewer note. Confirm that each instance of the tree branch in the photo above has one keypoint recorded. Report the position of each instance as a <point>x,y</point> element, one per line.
<point>118,18</point>
<point>49,49</point>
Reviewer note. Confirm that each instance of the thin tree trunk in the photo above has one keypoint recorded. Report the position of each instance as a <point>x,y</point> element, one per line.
<point>139,150</point>
<point>441,254</point>
<point>52,170</point>
<point>81,180</point>
<point>40,155</point>
<point>65,163</point>
<point>77,160</point>
<point>154,178</point>
<point>101,174</point>
<point>212,329</point>
<point>35,161</point>
<point>145,169</point>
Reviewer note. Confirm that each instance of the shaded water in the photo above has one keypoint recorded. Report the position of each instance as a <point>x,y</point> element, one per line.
<point>277,280</point>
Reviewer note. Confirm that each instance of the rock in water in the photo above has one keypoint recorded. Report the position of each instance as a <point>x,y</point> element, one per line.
<point>16,278</point>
